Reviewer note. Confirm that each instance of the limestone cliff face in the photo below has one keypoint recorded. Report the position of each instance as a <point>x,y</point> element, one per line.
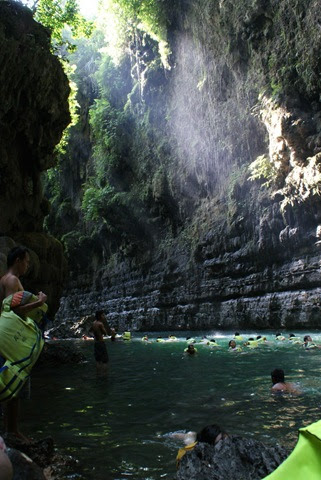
<point>231,251</point>
<point>33,114</point>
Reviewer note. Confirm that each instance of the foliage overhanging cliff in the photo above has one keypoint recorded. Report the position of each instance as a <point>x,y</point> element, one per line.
<point>188,194</point>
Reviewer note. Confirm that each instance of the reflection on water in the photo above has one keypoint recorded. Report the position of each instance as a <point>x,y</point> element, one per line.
<point>117,426</point>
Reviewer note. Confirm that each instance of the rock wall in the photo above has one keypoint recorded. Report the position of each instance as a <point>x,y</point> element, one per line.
<point>277,297</point>
<point>243,90</point>
<point>33,114</point>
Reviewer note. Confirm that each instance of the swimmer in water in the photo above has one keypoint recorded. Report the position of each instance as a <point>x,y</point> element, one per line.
<point>293,339</point>
<point>237,336</point>
<point>190,350</point>
<point>279,337</point>
<point>280,385</point>
<point>308,343</point>
<point>251,343</point>
<point>261,339</point>
<point>233,347</point>
<point>190,340</point>
<point>211,434</point>
<point>212,343</point>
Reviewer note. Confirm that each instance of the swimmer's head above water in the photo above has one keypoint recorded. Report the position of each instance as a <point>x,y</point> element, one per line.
<point>211,434</point>
<point>191,349</point>
<point>277,376</point>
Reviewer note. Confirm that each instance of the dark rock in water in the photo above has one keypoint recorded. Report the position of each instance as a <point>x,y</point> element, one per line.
<point>40,451</point>
<point>24,467</point>
<point>38,460</point>
<point>56,353</point>
<point>234,457</point>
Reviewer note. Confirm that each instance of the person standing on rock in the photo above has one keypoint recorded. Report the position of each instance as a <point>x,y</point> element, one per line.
<point>15,318</point>
<point>100,349</point>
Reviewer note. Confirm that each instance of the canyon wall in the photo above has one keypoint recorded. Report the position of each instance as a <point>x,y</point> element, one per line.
<point>200,208</point>
<point>232,222</point>
<point>33,114</point>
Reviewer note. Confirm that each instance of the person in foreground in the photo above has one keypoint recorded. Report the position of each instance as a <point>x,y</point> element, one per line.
<point>279,384</point>
<point>20,336</point>
<point>100,351</point>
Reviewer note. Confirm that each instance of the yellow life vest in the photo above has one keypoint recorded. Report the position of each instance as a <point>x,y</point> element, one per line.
<point>126,336</point>
<point>260,340</point>
<point>252,344</point>
<point>238,337</point>
<point>21,343</point>
<point>182,451</point>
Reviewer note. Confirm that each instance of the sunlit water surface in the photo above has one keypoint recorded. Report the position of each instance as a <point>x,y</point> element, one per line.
<point>118,426</point>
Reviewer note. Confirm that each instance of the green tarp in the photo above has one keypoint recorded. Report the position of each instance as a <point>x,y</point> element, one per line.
<point>21,343</point>
<point>304,463</point>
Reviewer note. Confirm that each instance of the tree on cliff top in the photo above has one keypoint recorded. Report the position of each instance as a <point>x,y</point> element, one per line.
<point>64,21</point>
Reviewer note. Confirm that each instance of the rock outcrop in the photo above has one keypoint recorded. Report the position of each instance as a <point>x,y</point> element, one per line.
<point>33,114</point>
<point>245,458</point>
<point>38,460</point>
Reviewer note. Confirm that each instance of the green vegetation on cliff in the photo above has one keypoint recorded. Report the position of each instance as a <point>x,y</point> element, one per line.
<point>160,155</point>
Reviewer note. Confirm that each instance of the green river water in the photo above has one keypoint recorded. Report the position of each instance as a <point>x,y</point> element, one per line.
<point>118,426</point>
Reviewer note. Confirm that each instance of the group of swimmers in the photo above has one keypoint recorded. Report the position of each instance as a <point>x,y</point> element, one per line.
<point>237,343</point>
<point>307,343</point>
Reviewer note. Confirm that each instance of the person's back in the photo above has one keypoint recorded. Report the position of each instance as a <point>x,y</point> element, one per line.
<point>98,330</point>
<point>279,384</point>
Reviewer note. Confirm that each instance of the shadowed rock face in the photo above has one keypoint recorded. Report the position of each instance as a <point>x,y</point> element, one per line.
<point>33,114</point>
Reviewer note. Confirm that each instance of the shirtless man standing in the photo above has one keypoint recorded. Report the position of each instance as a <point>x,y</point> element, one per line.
<point>100,350</point>
<point>279,384</point>
<point>18,260</point>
